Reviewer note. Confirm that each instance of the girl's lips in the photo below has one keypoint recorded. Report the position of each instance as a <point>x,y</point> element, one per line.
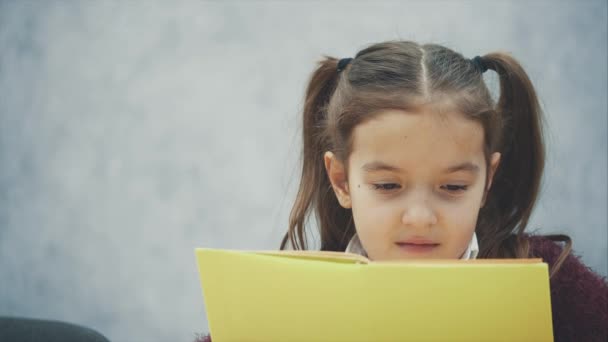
<point>420,248</point>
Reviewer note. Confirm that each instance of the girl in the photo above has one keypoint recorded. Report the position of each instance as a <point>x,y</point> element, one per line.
<point>406,155</point>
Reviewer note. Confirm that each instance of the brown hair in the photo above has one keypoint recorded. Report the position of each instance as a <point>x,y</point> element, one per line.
<point>404,75</point>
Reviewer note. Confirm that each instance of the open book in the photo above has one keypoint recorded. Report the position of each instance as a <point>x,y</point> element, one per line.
<point>334,296</point>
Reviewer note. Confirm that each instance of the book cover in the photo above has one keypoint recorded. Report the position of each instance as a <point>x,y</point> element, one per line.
<point>334,296</point>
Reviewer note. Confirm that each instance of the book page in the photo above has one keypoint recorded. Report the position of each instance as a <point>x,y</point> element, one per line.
<point>359,259</point>
<point>319,255</point>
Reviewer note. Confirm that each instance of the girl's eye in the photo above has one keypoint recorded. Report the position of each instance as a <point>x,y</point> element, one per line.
<point>454,188</point>
<point>386,186</point>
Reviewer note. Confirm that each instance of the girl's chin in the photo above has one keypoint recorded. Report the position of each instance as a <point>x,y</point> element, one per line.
<point>412,253</point>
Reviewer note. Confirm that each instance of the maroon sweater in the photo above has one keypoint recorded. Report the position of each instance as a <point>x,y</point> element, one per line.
<point>579,297</point>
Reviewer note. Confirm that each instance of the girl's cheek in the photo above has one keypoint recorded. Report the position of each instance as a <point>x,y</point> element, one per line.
<point>463,213</point>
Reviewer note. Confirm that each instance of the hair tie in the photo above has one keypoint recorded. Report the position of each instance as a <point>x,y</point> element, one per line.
<point>479,64</point>
<point>343,63</point>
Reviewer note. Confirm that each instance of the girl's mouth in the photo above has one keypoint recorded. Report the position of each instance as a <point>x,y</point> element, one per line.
<point>419,248</point>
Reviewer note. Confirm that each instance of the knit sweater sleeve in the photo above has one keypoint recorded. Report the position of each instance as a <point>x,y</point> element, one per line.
<point>578,296</point>
<point>203,338</point>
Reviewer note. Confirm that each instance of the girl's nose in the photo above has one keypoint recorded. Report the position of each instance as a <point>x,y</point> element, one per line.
<point>419,214</point>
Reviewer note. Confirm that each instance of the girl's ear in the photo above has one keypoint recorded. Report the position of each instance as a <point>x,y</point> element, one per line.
<point>336,173</point>
<point>494,162</point>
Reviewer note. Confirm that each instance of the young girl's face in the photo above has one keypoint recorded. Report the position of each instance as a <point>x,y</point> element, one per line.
<point>416,182</point>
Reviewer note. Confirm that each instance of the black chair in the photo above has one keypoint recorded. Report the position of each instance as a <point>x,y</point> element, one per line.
<point>16,329</point>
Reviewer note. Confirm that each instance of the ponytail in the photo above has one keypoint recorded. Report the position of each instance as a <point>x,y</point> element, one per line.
<point>315,189</point>
<point>518,179</point>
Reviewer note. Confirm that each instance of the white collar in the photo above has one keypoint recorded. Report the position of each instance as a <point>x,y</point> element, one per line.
<point>354,246</point>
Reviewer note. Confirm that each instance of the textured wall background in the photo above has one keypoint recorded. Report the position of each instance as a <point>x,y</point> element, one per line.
<point>133,132</point>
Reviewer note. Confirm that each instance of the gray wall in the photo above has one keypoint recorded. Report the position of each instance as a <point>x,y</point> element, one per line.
<point>133,132</point>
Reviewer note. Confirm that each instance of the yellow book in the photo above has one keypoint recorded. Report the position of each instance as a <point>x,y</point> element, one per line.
<point>291,296</point>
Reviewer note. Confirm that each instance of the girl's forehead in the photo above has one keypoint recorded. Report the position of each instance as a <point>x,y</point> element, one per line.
<point>422,136</point>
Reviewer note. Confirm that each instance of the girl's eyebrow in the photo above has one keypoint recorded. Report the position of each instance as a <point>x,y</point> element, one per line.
<point>466,166</point>
<point>381,166</point>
